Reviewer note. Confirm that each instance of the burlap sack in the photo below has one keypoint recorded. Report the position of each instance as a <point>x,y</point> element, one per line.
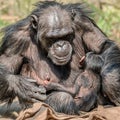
<point>41,111</point>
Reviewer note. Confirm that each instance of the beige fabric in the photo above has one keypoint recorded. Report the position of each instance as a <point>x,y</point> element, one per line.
<point>41,111</point>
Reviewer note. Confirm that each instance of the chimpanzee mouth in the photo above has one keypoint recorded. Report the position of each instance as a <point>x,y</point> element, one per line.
<point>61,60</point>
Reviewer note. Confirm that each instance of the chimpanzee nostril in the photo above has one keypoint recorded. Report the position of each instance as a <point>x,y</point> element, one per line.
<point>65,46</point>
<point>61,44</point>
<point>62,48</point>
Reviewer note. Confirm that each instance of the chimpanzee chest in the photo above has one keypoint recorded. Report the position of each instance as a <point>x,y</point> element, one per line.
<point>44,70</point>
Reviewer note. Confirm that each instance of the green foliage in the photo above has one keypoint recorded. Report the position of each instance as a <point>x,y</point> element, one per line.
<point>3,23</point>
<point>107,19</point>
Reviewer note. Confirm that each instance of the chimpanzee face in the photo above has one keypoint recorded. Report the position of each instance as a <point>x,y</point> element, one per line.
<point>55,34</point>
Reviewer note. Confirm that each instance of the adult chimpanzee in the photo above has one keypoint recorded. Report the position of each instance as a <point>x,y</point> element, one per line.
<point>50,44</point>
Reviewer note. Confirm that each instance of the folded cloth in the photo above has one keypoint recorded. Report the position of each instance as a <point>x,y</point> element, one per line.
<point>41,111</point>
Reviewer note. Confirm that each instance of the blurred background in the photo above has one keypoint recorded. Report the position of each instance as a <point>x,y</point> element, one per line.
<point>106,13</point>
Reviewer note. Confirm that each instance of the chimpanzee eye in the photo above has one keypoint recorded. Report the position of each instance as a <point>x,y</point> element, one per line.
<point>49,41</point>
<point>69,37</point>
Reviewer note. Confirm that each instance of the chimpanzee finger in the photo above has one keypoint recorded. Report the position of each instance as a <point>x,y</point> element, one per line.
<point>39,89</point>
<point>82,60</point>
<point>31,96</point>
<point>42,89</point>
<point>31,80</point>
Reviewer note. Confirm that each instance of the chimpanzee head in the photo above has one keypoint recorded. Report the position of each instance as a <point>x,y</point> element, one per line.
<point>55,30</point>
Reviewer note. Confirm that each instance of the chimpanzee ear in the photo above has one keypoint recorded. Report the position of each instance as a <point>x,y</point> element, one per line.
<point>34,21</point>
<point>73,14</point>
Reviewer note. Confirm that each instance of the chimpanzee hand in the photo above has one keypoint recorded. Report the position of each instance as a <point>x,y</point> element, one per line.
<point>53,86</point>
<point>27,90</point>
<point>94,61</point>
<point>49,85</point>
<point>56,87</point>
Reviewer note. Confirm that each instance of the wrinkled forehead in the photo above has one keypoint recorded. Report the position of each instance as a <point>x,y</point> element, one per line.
<point>55,18</point>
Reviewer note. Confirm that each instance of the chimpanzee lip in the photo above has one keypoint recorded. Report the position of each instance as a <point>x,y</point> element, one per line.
<point>62,60</point>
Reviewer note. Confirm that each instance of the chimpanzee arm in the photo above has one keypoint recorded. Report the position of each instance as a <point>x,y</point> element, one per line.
<point>12,84</point>
<point>93,37</point>
<point>60,87</point>
<point>16,41</point>
<point>95,61</point>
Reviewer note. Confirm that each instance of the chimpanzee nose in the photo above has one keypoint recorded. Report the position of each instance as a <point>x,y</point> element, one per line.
<point>60,44</point>
<point>62,48</point>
